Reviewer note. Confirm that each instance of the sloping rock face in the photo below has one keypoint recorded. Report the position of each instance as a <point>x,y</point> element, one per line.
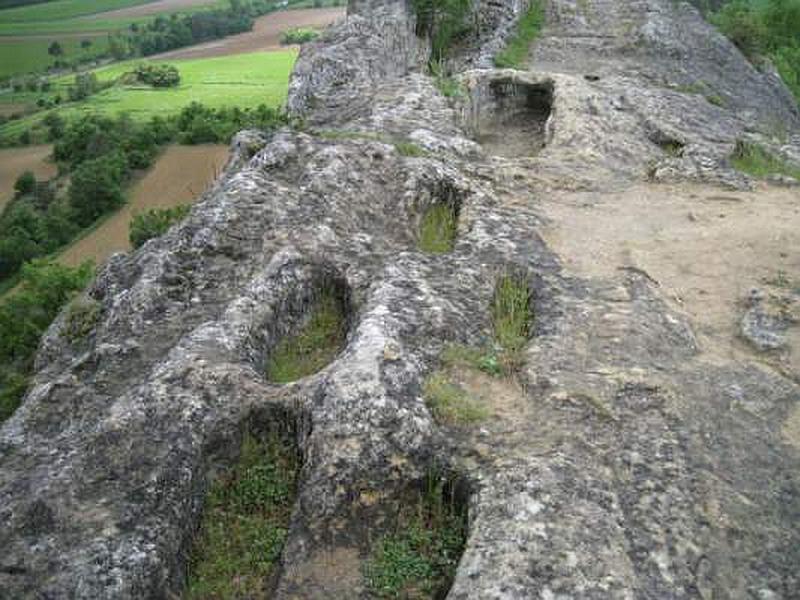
<point>625,463</point>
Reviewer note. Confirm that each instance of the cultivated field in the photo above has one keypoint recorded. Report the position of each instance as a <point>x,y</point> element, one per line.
<point>179,176</point>
<point>21,54</point>
<point>15,161</point>
<point>154,8</point>
<point>265,35</point>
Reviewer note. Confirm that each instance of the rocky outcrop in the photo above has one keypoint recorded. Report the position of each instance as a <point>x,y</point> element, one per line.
<point>623,464</point>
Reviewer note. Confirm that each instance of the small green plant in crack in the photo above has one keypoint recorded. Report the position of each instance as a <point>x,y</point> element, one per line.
<point>511,318</point>
<point>450,404</point>
<point>437,232</point>
<point>448,86</point>
<point>756,161</point>
<point>527,29</point>
<point>419,558</point>
<point>82,315</point>
<point>672,148</point>
<point>244,523</point>
<point>315,345</point>
<point>485,360</point>
<point>410,149</point>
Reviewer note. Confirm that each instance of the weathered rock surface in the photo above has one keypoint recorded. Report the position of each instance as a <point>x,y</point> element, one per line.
<point>624,464</point>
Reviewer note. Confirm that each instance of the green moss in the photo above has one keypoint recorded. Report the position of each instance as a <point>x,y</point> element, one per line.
<point>316,345</point>
<point>418,560</point>
<point>450,404</point>
<point>244,524</point>
<point>527,29</point>
<point>758,162</point>
<point>437,233</point>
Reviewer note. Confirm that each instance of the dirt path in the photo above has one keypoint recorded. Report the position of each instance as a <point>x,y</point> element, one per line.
<point>705,247</point>
<point>144,10</point>
<point>264,36</point>
<point>178,177</point>
<point>15,161</point>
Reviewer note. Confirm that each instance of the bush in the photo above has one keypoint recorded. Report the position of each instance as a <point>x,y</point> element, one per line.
<point>161,76</point>
<point>25,184</point>
<point>299,35</point>
<point>25,315</point>
<point>155,222</point>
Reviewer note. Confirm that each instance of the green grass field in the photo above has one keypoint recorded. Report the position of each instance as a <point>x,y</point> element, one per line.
<point>23,56</point>
<point>243,80</point>
<point>63,9</point>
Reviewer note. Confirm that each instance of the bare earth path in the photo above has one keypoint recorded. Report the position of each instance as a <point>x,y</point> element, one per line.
<point>264,36</point>
<point>703,246</point>
<point>178,177</point>
<point>15,161</point>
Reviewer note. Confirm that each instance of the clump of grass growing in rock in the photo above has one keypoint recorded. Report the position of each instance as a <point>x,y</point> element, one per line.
<point>155,222</point>
<point>511,317</point>
<point>437,232</point>
<point>450,404</point>
<point>315,345</point>
<point>526,31</point>
<point>410,149</point>
<point>419,558</point>
<point>756,161</point>
<point>82,316</point>
<point>244,524</point>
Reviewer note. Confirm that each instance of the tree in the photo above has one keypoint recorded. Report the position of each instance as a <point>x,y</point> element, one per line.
<point>86,44</point>
<point>55,49</point>
<point>25,184</point>
<point>96,187</point>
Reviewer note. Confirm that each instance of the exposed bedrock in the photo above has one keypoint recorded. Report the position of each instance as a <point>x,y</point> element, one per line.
<point>622,462</point>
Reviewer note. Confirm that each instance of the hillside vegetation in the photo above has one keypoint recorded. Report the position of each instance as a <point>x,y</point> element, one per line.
<point>770,29</point>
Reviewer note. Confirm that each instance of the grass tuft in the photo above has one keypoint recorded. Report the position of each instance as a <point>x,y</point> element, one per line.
<point>418,560</point>
<point>437,233</point>
<point>758,162</point>
<point>526,31</point>
<point>244,525</point>
<point>316,345</point>
<point>511,317</point>
<point>450,404</point>
<point>410,149</point>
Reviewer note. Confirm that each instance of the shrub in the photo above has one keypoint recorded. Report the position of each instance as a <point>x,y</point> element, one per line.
<point>154,222</point>
<point>160,76</point>
<point>299,35</point>
<point>24,316</point>
<point>25,184</point>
